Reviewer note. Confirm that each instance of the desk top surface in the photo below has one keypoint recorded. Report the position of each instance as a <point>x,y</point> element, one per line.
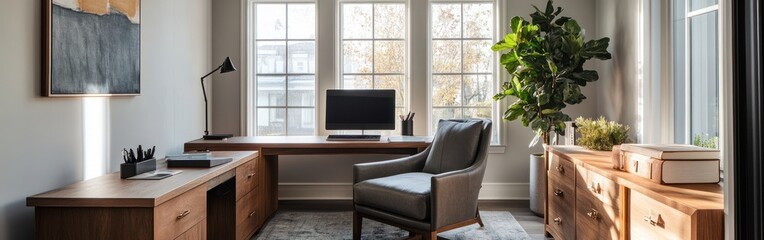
<point>685,197</point>
<point>111,191</point>
<point>300,142</point>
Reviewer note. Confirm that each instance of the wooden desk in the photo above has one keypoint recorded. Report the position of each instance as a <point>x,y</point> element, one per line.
<point>271,147</point>
<point>109,207</point>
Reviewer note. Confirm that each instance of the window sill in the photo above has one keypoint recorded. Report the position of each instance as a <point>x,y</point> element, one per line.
<point>497,149</point>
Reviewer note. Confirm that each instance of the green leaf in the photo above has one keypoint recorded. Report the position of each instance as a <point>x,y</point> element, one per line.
<point>543,98</point>
<point>549,8</point>
<point>596,49</point>
<point>548,111</point>
<point>571,26</point>
<point>552,66</point>
<point>586,75</point>
<point>516,24</point>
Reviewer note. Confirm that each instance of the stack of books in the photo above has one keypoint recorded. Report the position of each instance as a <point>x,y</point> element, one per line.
<point>195,160</point>
<point>671,163</point>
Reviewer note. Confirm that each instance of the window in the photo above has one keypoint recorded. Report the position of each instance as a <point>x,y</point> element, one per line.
<point>462,73</point>
<point>373,48</point>
<point>285,79</point>
<point>696,72</point>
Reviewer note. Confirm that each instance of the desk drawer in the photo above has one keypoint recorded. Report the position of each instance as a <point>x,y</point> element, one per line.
<point>650,219</point>
<point>561,168</point>
<point>247,216</point>
<point>178,215</point>
<point>246,178</point>
<point>561,203</point>
<point>602,188</point>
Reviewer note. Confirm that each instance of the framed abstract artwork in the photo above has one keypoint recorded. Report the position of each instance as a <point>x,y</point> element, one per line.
<point>91,48</point>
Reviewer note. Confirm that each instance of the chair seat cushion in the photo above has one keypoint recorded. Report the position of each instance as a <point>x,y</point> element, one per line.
<point>405,194</point>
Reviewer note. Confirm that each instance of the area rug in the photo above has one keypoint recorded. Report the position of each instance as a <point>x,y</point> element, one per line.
<point>339,225</point>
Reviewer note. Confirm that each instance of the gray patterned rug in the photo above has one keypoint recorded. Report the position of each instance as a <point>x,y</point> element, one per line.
<point>339,225</point>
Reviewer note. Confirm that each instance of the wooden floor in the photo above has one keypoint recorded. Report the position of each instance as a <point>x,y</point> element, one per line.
<point>532,224</point>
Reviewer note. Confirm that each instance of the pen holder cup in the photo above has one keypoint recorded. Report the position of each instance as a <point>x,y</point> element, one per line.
<point>407,128</point>
<point>131,169</point>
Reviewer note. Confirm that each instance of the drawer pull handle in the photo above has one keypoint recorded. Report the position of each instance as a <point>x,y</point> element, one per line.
<point>251,214</point>
<point>593,214</point>
<point>596,189</point>
<point>560,169</point>
<point>250,175</point>
<point>649,219</point>
<point>558,220</point>
<point>184,214</point>
<point>559,193</point>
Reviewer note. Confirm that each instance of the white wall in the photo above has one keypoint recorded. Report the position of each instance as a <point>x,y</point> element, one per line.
<point>330,176</point>
<point>41,139</point>
<point>618,85</point>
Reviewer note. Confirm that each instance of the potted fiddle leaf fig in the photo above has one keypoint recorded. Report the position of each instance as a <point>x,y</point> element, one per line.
<point>545,60</point>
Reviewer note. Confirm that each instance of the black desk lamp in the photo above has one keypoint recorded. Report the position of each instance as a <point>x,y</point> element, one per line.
<point>227,66</point>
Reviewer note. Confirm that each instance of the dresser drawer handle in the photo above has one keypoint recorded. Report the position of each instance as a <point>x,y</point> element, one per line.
<point>251,214</point>
<point>184,214</point>
<point>559,193</point>
<point>560,169</point>
<point>595,189</point>
<point>250,175</point>
<point>593,214</point>
<point>649,219</point>
<point>558,220</point>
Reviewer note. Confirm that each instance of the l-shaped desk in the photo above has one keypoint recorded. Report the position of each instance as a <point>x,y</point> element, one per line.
<point>270,147</point>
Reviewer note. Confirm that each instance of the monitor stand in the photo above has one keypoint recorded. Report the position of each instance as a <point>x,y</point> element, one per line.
<point>353,137</point>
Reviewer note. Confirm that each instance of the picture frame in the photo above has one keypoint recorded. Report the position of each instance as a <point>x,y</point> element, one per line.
<point>91,48</point>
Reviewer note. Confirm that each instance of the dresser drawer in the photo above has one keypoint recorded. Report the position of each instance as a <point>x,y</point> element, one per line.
<point>197,232</point>
<point>560,167</point>
<point>593,184</point>
<point>650,219</point>
<point>596,220</point>
<point>637,164</point>
<point>180,214</point>
<point>247,215</point>
<point>246,178</point>
<point>561,202</point>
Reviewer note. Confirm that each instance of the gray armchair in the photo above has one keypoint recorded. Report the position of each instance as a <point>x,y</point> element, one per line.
<point>430,192</point>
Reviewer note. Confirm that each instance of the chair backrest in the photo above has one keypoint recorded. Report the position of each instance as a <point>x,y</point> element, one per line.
<point>458,144</point>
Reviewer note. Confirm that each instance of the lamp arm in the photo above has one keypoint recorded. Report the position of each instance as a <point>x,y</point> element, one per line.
<point>206,105</point>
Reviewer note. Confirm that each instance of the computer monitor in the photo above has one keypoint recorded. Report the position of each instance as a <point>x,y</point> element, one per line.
<point>360,109</point>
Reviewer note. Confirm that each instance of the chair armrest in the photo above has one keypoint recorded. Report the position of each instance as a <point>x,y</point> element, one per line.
<point>365,171</point>
<point>454,196</point>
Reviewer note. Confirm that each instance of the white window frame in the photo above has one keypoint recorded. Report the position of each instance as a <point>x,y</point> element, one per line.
<point>339,83</point>
<point>499,17</point>
<point>252,74</point>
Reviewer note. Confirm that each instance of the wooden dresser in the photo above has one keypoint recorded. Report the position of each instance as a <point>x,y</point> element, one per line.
<point>587,199</point>
<point>200,203</point>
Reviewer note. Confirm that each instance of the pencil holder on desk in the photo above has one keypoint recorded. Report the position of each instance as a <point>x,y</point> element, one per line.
<point>407,127</point>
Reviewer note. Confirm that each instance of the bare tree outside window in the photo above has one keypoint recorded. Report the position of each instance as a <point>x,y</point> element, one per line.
<point>373,45</point>
<point>462,81</point>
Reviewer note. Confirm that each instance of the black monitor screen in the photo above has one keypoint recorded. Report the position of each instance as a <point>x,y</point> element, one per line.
<point>360,109</point>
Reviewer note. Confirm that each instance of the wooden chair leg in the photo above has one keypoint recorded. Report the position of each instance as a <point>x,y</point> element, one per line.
<point>357,223</point>
<point>430,236</point>
<point>480,220</point>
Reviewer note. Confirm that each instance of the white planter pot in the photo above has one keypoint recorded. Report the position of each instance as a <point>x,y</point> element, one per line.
<point>537,183</point>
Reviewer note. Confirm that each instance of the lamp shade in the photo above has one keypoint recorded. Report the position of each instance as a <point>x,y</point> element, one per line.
<point>227,66</point>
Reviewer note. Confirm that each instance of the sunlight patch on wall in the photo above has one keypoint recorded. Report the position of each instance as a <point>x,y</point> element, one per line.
<point>95,125</point>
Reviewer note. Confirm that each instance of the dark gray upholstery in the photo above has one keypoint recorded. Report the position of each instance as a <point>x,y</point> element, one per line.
<point>454,165</point>
<point>405,194</point>
<point>454,146</point>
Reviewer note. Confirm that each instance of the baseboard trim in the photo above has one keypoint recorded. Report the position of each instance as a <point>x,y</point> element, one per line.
<point>344,191</point>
